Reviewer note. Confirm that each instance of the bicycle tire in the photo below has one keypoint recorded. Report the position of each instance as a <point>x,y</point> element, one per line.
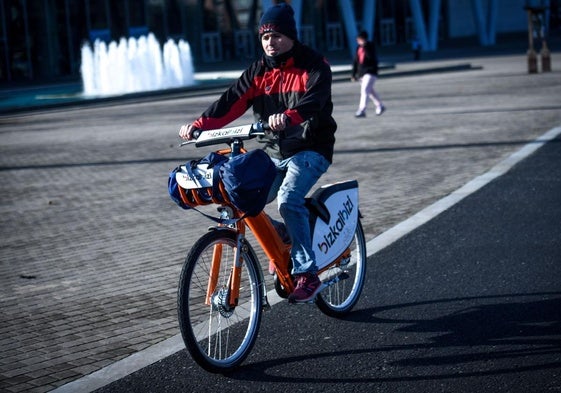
<point>217,336</point>
<point>338,299</point>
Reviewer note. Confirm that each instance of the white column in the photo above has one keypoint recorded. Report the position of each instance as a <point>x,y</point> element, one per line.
<point>429,42</point>
<point>486,24</point>
<point>368,17</point>
<point>434,11</point>
<point>419,23</point>
<point>349,21</point>
<point>492,22</point>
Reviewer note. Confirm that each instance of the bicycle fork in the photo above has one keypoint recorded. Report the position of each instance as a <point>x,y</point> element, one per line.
<point>226,298</point>
<point>228,295</point>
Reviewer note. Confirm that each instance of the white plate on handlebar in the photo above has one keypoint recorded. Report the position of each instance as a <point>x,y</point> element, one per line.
<point>223,135</point>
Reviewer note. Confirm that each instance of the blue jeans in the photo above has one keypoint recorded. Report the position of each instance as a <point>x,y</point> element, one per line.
<point>296,176</point>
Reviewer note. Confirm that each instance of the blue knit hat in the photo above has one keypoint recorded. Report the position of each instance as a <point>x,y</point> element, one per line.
<point>280,19</point>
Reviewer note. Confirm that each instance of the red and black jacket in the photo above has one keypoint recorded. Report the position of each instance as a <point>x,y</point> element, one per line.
<point>300,87</point>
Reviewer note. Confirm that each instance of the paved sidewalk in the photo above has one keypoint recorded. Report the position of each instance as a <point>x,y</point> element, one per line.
<point>91,246</point>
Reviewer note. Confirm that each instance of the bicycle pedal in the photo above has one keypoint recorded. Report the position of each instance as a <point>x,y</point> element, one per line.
<point>344,276</point>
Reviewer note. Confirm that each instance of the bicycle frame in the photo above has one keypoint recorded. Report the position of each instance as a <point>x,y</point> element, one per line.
<point>276,250</point>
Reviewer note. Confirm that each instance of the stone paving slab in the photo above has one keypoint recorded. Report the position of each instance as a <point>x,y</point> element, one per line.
<point>91,246</point>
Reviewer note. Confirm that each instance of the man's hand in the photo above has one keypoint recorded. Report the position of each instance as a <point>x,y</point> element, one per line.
<point>278,122</point>
<point>186,132</point>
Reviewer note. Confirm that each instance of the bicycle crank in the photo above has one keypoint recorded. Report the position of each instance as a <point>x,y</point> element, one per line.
<point>334,280</point>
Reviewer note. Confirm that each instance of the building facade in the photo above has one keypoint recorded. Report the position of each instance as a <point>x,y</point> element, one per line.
<point>41,40</point>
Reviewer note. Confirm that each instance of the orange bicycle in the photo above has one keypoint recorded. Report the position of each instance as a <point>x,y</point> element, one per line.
<point>222,290</point>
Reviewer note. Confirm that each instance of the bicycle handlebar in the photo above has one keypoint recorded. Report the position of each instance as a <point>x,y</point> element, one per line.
<point>227,135</point>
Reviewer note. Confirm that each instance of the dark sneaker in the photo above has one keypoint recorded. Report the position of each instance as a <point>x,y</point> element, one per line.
<point>360,114</point>
<point>307,286</point>
<point>380,110</point>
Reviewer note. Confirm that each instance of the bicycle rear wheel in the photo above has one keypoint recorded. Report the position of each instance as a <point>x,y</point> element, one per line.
<point>347,279</point>
<point>219,335</point>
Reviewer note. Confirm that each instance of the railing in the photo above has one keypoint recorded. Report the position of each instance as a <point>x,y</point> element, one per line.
<point>211,47</point>
<point>334,36</point>
<point>244,41</point>
<point>387,31</point>
<point>308,35</point>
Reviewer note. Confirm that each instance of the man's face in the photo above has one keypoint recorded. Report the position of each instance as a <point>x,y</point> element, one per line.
<point>275,44</point>
<point>360,41</point>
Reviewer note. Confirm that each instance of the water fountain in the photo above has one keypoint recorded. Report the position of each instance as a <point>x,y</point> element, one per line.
<point>135,65</point>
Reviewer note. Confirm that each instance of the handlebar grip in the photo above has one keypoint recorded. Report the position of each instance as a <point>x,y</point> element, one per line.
<point>261,127</point>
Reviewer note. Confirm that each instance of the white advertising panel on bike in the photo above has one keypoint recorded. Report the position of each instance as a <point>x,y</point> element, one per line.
<point>200,177</point>
<point>331,239</point>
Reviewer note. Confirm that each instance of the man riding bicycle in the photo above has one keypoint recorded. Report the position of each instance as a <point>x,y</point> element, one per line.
<point>289,87</point>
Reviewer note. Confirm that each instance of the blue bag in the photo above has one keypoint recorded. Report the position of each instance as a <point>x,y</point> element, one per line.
<point>247,179</point>
<point>189,198</point>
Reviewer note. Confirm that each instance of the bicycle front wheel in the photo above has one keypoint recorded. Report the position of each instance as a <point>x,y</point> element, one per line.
<point>219,333</point>
<point>347,279</point>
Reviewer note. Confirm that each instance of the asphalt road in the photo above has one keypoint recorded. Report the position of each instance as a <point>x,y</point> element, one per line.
<point>469,302</point>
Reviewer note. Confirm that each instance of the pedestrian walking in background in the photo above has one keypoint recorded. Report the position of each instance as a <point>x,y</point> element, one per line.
<point>365,69</point>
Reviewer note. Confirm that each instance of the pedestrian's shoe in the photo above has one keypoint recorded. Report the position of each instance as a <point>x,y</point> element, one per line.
<point>360,114</point>
<point>379,110</point>
<point>307,286</point>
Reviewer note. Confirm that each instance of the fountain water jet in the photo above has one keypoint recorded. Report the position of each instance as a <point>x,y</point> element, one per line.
<point>135,65</point>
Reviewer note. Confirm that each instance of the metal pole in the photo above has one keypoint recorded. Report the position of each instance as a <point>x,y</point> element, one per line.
<point>544,52</point>
<point>532,58</point>
<point>545,57</point>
